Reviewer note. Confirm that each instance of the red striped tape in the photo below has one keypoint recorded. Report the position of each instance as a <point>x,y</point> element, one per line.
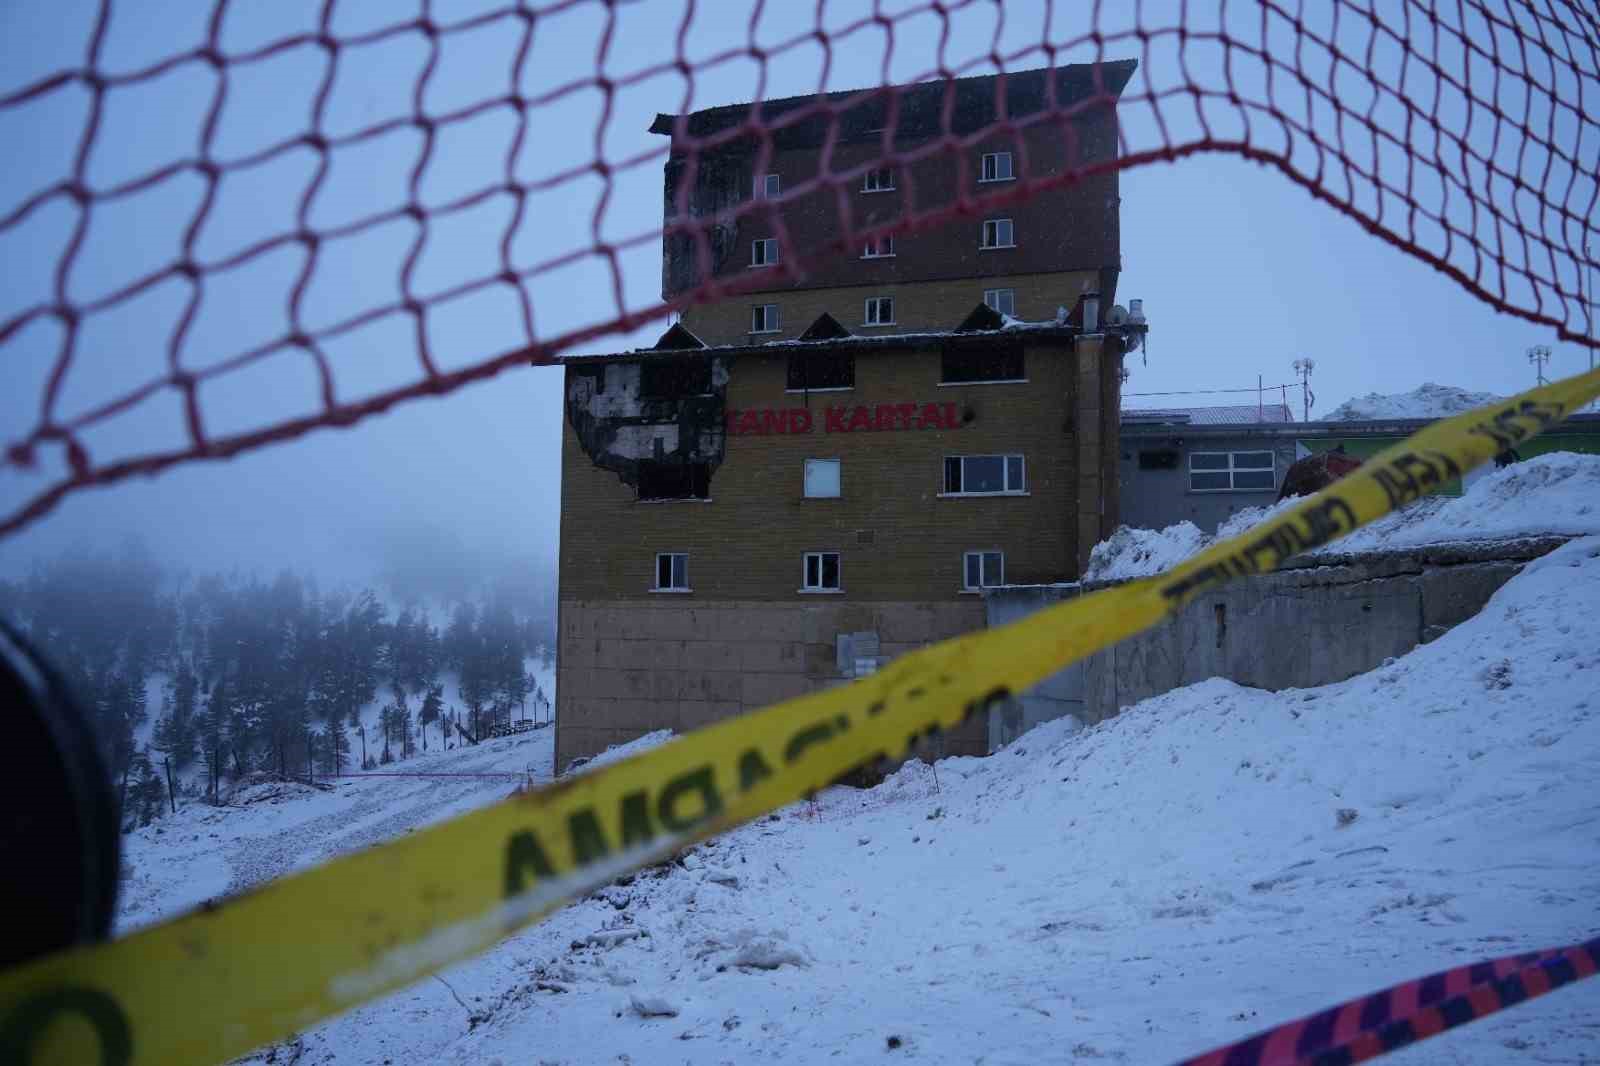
<point>1374,1025</point>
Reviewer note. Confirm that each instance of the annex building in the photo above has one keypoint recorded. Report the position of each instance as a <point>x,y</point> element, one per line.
<point>797,484</point>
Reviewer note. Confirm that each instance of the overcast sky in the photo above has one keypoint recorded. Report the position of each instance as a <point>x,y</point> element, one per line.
<point>1241,270</point>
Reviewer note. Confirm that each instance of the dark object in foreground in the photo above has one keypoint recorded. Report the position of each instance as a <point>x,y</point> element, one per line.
<point>58,815</point>
<point>1316,472</point>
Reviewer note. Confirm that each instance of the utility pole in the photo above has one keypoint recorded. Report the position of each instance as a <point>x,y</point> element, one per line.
<point>1303,369</point>
<point>1539,355</point>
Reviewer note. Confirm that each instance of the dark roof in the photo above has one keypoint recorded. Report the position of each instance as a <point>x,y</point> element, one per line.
<point>982,317</point>
<point>825,328</point>
<point>1049,331</point>
<point>920,106</point>
<point>1387,427</point>
<point>678,338</point>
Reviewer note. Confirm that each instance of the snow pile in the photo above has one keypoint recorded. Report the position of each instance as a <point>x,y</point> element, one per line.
<point>1424,401</point>
<point>1555,494</point>
<point>1130,553</point>
<point>1126,893</point>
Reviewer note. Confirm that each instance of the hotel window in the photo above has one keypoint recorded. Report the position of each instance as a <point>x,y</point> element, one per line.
<point>765,252</point>
<point>983,570</point>
<point>997,233</point>
<point>1231,472</point>
<point>672,572</point>
<point>671,379</point>
<point>997,167</point>
<point>820,572</point>
<point>810,371</point>
<point>880,311</point>
<point>674,481</point>
<point>987,361</point>
<point>1002,300</point>
<point>880,180</point>
<point>764,318</point>
<point>881,248</point>
<point>767,187</point>
<point>984,475</point>
<point>822,479</point>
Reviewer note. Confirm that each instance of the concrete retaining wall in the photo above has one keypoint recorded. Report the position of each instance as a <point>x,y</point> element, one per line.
<point>1311,623</point>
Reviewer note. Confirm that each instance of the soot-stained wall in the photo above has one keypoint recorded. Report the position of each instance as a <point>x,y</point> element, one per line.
<point>621,428</point>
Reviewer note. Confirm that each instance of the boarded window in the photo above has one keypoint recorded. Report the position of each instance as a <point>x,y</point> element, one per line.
<point>822,370</point>
<point>965,363</point>
<point>668,379</point>
<point>1158,460</point>
<point>674,481</point>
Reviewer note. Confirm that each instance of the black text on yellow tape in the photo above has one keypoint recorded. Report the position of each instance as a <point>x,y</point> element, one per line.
<point>212,984</point>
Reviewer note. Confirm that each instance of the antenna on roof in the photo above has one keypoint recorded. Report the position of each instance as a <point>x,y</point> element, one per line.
<point>1303,368</point>
<point>1539,355</point>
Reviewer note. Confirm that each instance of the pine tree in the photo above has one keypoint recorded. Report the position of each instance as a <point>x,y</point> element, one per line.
<point>431,712</point>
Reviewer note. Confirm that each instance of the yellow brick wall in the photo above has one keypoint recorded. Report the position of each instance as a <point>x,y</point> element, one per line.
<point>919,305</point>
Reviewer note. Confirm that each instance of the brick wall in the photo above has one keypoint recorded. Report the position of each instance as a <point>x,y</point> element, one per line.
<point>919,305</point>
<point>632,660</point>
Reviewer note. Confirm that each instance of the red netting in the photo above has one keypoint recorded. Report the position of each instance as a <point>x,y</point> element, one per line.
<point>1462,131</point>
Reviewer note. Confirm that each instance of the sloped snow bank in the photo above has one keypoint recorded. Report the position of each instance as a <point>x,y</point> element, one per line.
<point>1210,862</point>
<point>1425,401</point>
<point>1557,493</point>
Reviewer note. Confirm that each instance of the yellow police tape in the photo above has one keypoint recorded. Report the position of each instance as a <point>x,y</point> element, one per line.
<point>215,983</point>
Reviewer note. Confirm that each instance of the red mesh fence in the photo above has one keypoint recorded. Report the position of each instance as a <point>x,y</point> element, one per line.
<point>1464,132</point>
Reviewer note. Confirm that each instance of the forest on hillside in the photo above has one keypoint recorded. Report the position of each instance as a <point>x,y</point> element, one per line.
<point>230,675</point>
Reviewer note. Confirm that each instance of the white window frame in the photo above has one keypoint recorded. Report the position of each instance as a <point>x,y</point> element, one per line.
<point>768,255</point>
<point>983,167</point>
<point>982,575</point>
<point>658,587</point>
<point>768,186</point>
<point>879,248</point>
<point>805,480</point>
<point>878,179</point>
<point>1011,231</point>
<point>805,568</point>
<point>771,323</point>
<point>1005,464</point>
<point>872,312</point>
<point>992,296</point>
<point>1234,468</point>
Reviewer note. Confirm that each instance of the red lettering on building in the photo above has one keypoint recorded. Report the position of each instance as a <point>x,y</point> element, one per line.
<point>881,417</point>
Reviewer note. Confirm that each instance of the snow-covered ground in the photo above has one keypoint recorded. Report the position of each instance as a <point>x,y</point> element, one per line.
<point>1425,401</point>
<point>1207,863</point>
<point>1554,493</point>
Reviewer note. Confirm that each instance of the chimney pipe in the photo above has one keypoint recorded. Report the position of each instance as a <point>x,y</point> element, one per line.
<point>1091,312</point>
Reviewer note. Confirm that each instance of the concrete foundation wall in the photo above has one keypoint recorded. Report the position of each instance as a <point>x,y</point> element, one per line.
<point>1299,627</point>
<point>628,668</point>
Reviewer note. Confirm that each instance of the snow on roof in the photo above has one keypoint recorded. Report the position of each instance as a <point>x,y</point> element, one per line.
<point>1425,401</point>
<point>1548,495</point>
<point>1238,414</point>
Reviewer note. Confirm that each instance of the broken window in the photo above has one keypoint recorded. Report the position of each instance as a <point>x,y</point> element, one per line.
<point>670,379</point>
<point>878,248</point>
<point>821,572</point>
<point>822,370</point>
<point>967,363</point>
<point>764,318</point>
<point>764,252</point>
<point>1159,460</point>
<point>672,572</point>
<point>674,481</point>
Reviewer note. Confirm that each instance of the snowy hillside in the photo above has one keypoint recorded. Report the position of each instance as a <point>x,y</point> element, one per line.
<point>1425,401</point>
<point>1210,862</point>
<point>1554,493</point>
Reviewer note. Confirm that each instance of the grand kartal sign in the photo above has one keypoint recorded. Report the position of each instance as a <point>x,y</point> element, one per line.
<point>869,418</point>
